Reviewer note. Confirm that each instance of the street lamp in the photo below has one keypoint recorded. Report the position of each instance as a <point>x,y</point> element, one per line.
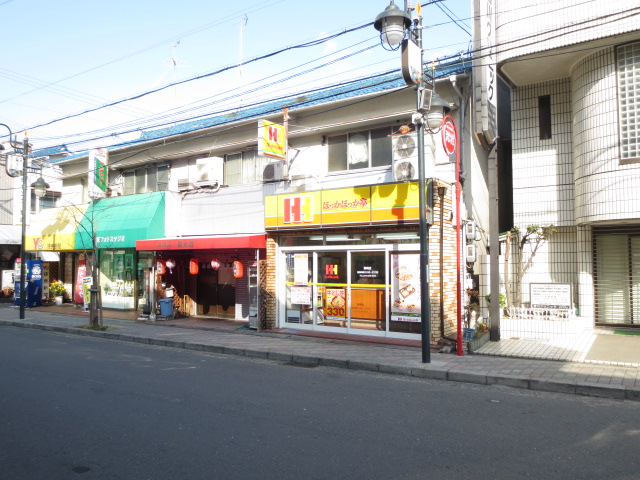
<point>40,187</point>
<point>393,25</point>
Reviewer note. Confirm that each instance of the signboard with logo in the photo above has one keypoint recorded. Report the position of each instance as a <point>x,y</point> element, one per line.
<point>98,175</point>
<point>272,140</point>
<point>392,204</point>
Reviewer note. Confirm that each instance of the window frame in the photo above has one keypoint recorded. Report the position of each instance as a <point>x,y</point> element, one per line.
<point>151,178</point>
<point>341,145</point>
<point>623,110</point>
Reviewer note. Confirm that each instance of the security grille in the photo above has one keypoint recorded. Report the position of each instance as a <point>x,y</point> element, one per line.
<point>617,275</point>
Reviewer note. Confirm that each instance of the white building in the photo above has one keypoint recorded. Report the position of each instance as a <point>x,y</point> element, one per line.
<point>573,72</point>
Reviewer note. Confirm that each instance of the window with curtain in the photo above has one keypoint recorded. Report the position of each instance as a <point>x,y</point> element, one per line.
<point>243,168</point>
<point>153,178</point>
<point>358,150</point>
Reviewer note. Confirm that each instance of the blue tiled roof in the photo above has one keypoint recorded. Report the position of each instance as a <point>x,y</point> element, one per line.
<point>69,157</point>
<point>54,150</point>
<point>349,90</point>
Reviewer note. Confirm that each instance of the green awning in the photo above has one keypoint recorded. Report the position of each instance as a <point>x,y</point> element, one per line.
<point>118,222</point>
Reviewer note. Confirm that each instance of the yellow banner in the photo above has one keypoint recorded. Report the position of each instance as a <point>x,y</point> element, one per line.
<point>393,203</point>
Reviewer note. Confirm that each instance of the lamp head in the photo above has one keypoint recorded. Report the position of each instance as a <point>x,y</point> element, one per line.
<point>40,187</point>
<point>436,113</point>
<point>392,24</point>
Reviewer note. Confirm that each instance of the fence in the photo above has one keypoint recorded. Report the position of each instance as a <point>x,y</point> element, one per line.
<point>542,324</point>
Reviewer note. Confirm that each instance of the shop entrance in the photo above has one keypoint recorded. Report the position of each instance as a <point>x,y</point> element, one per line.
<point>215,292</point>
<point>354,290</point>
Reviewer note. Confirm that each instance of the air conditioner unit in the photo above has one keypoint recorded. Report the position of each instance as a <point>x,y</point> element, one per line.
<point>405,157</point>
<point>185,184</point>
<point>209,171</point>
<point>273,172</point>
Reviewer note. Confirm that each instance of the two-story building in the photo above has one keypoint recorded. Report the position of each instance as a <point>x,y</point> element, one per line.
<point>325,238</point>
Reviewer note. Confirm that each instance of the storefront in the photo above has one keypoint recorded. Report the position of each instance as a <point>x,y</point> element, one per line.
<point>112,226</point>
<point>347,260</point>
<point>51,236</point>
<point>214,276</point>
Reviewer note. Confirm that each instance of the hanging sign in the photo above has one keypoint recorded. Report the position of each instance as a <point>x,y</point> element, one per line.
<point>272,140</point>
<point>98,173</point>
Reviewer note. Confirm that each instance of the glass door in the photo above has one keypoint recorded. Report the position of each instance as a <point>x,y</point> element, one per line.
<point>367,291</point>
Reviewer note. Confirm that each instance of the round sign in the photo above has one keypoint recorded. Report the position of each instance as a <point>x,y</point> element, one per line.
<point>449,140</point>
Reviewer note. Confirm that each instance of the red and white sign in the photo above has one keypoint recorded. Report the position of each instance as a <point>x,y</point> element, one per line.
<point>449,136</point>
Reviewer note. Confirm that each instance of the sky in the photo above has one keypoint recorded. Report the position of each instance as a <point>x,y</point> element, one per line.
<point>62,58</point>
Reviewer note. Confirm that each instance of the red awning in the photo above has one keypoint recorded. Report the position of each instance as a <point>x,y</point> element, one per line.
<point>203,243</point>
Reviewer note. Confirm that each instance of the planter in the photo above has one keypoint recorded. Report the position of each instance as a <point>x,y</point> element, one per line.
<point>59,300</point>
<point>475,344</point>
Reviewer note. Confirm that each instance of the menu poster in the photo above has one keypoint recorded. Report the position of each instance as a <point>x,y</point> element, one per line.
<point>301,269</point>
<point>405,288</point>
<point>301,295</point>
<point>335,304</point>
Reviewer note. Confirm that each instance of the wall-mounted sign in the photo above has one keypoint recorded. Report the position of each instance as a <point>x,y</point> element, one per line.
<point>551,295</point>
<point>391,203</point>
<point>272,140</point>
<point>449,140</point>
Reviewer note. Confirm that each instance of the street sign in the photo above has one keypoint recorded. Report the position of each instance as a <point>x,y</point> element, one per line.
<point>449,140</point>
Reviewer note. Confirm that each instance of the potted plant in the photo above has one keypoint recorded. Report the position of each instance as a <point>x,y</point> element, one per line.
<point>57,290</point>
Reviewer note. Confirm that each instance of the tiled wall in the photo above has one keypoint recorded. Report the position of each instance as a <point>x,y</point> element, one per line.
<point>542,169</point>
<point>539,25</point>
<point>605,189</point>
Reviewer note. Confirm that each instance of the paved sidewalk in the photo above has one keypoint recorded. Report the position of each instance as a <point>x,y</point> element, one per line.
<point>590,379</point>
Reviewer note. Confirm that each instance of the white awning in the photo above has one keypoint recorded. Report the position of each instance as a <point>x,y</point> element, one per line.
<point>10,235</point>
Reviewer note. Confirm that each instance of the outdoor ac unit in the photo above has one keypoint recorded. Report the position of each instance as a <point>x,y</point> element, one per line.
<point>185,184</point>
<point>209,171</point>
<point>405,157</point>
<point>273,172</point>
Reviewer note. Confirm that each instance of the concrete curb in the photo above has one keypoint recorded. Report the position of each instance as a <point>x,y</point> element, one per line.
<point>432,372</point>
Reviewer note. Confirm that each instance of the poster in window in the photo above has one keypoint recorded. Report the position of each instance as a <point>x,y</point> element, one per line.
<point>118,261</point>
<point>405,288</point>
<point>301,269</point>
<point>301,295</point>
<point>335,304</point>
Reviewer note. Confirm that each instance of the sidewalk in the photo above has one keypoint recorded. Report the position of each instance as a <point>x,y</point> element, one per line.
<point>590,379</point>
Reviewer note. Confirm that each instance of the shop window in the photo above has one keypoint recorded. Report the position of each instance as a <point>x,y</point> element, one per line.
<point>243,168</point>
<point>147,179</point>
<point>358,150</point>
<point>628,66</point>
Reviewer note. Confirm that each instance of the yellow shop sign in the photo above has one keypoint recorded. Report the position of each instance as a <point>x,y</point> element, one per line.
<point>389,203</point>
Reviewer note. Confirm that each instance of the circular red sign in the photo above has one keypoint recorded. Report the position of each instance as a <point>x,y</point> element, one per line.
<point>449,140</point>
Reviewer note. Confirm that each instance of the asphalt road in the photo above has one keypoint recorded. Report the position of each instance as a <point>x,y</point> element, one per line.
<point>78,407</point>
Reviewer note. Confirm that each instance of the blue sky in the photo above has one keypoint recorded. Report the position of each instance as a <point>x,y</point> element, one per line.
<point>64,57</point>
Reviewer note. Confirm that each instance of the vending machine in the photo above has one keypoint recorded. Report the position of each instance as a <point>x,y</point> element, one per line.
<point>33,279</point>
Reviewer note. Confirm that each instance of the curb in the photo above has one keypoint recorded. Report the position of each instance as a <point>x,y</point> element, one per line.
<point>616,392</point>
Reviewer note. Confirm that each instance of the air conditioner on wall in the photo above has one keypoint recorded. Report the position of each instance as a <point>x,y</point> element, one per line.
<point>185,184</point>
<point>273,172</point>
<point>405,157</point>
